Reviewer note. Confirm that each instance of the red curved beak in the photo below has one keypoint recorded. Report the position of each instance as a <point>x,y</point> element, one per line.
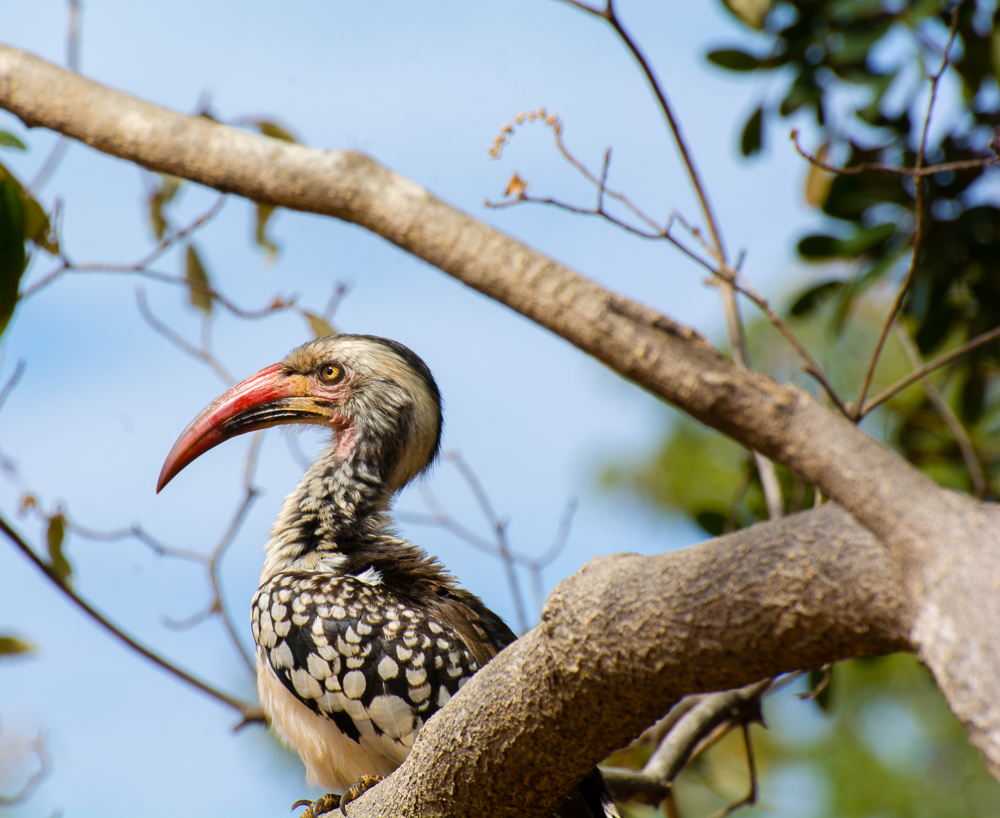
<point>266,399</point>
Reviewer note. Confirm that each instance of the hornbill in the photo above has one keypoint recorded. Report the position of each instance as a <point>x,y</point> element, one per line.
<point>361,636</point>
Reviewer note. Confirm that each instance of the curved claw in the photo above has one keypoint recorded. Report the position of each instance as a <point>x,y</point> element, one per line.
<point>358,788</point>
<point>321,806</point>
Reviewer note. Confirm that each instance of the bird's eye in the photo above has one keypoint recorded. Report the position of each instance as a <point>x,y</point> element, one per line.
<point>331,373</point>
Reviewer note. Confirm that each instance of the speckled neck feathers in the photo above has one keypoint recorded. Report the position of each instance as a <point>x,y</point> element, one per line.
<point>335,514</point>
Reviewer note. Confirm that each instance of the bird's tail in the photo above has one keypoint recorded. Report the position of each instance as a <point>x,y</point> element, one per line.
<point>588,799</point>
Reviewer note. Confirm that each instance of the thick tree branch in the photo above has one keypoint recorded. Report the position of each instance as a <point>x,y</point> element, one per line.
<point>626,637</point>
<point>944,545</point>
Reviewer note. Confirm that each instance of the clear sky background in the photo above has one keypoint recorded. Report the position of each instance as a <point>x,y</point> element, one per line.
<point>423,88</point>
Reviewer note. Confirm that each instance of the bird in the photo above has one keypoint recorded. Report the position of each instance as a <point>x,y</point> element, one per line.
<point>361,636</point>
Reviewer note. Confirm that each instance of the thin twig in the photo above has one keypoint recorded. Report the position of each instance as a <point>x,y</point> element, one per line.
<point>751,796</point>
<point>702,721</point>
<point>876,167</point>
<point>249,496</point>
<point>947,415</point>
<point>500,528</point>
<point>918,234</point>
<point>203,355</point>
<point>11,382</point>
<point>247,711</point>
<point>734,322</point>
<point>937,363</point>
<point>536,565</point>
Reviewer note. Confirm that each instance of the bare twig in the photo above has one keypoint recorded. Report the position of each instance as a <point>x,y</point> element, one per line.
<point>499,547</point>
<point>734,322</point>
<point>937,363</point>
<point>248,711</point>
<point>918,234</point>
<point>751,796</point>
<point>66,265</point>
<point>536,564</point>
<point>499,526</point>
<point>951,420</point>
<point>11,383</point>
<point>722,273</point>
<point>249,495</point>
<point>930,170</point>
<point>203,354</point>
<point>697,726</point>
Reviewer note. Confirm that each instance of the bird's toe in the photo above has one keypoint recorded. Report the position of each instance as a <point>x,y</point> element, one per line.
<point>321,806</point>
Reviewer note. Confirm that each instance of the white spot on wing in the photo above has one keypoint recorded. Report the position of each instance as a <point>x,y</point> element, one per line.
<point>387,668</point>
<point>391,715</point>
<point>281,656</point>
<point>317,667</point>
<point>305,685</point>
<point>354,684</point>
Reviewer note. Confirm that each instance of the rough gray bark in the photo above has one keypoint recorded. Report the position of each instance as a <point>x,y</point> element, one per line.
<point>942,546</point>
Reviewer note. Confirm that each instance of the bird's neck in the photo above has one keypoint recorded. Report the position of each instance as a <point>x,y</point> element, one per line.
<point>334,516</point>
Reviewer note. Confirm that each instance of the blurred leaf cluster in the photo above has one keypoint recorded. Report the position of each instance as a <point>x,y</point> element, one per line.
<point>859,70</point>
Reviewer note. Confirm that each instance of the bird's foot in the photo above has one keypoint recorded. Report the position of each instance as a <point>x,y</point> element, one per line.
<point>358,788</point>
<point>331,801</point>
<point>322,805</point>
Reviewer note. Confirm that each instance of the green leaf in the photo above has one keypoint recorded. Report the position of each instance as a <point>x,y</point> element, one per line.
<point>712,522</point>
<point>54,537</point>
<point>319,325</point>
<point>164,195</point>
<point>814,297</point>
<point>750,142</point>
<point>12,255</point>
<point>818,247</point>
<point>803,90</point>
<point>734,60</point>
<point>197,281</point>
<point>867,239</point>
<point>751,12</point>
<point>8,140</point>
<point>11,645</point>
<point>37,227</point>
<point>264,213</point>
<point>275,131</point>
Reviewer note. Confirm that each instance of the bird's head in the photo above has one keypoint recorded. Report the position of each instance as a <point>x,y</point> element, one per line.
<point>377,397</point>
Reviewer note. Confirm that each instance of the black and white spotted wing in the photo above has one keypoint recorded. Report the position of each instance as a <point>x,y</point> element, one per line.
<point>356,654</point>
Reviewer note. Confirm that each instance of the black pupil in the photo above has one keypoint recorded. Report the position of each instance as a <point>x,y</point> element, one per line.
<point>329,371</point>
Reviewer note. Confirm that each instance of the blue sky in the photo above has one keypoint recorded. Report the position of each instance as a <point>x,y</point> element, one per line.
<point>423,89</point>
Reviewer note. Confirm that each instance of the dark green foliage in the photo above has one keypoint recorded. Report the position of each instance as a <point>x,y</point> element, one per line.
<point>828,47</point>
<point>21,220</point>
<point>752,139</point>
